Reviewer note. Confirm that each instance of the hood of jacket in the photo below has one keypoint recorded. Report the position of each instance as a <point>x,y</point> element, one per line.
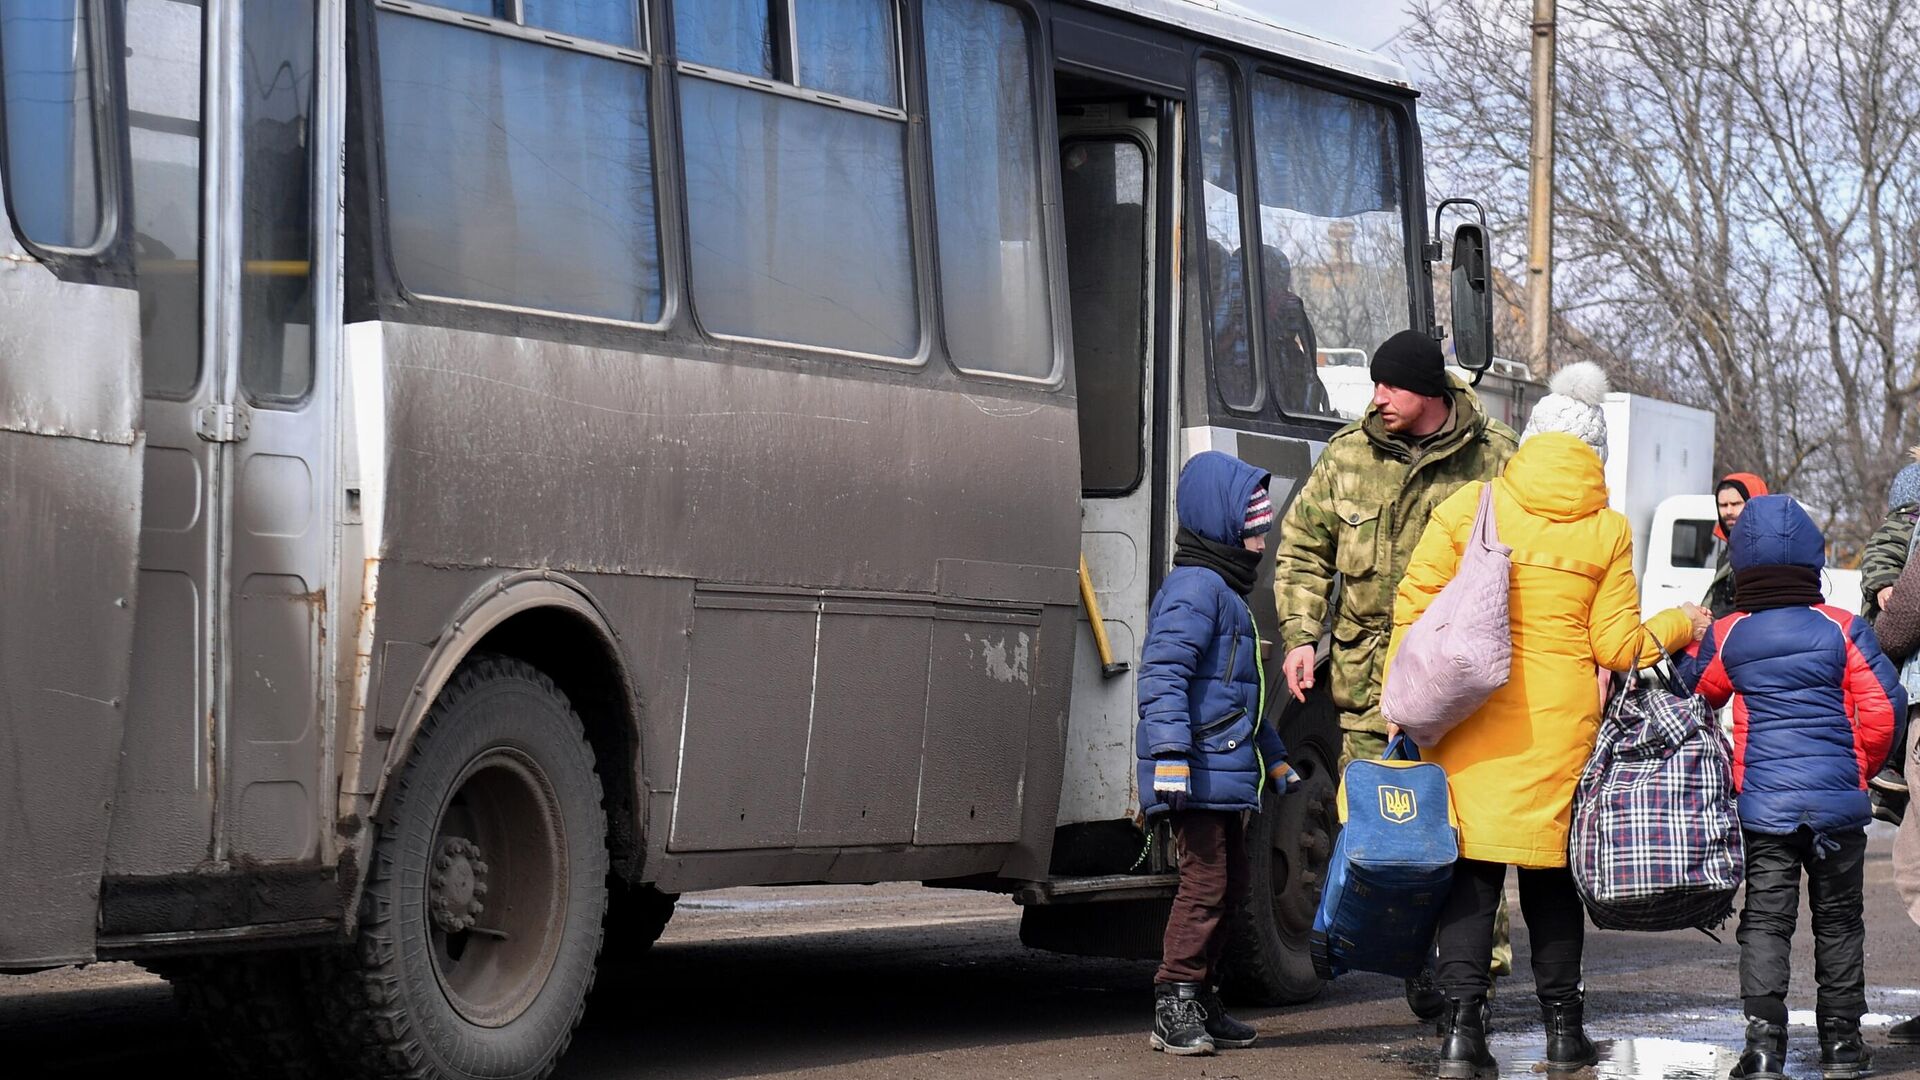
<point>1556,476</point>
<point>1775,531</point>
<point>1214,491</point>
<point>1755,486</point>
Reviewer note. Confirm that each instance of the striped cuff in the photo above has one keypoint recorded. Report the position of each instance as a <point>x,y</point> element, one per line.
<point>1171,775</point>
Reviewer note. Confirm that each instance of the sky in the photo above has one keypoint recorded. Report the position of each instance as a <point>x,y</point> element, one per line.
<point>1366,23</point>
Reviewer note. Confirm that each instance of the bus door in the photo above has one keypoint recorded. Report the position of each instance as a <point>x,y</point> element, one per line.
<point>1111,207</point>
<point>224,747</point>
<point>70,456</point>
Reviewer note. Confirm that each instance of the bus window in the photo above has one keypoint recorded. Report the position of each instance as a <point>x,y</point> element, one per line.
<point>797,201</point>
<point>518,173</point>
<point>848,47</point>
<point>52,182</point>
<point>1230,350</point>
<point>993,266</point>
<point>163,136</point>
<point>599,20</point>
<point>733,35</point>
<point>1333,232</point>
<point>276,294</point>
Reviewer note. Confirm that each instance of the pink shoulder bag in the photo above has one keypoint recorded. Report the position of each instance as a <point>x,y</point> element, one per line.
<point>1460,650</point>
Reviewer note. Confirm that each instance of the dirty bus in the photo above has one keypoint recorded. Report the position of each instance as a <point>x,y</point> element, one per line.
<point>471,472</point>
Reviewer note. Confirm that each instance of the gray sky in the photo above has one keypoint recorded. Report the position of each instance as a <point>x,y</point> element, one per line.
<point>1366,23</point>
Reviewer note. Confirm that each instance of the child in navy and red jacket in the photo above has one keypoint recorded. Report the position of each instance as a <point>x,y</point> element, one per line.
<point>1814,708</point>
<point>1206,751</point>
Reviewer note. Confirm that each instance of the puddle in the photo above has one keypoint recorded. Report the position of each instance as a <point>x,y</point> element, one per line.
<point>1679,1045</point>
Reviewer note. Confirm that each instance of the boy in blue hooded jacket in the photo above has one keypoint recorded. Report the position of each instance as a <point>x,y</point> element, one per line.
<point>1205,753</point>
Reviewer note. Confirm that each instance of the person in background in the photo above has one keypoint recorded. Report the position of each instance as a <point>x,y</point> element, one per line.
<point>1730,497</point>
<point>1892,543</point>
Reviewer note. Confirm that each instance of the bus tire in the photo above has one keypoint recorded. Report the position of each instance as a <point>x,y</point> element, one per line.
<point>636,917</point>
<point>254,1013</point>
<point>481,922</point>
<point>1269,958</point>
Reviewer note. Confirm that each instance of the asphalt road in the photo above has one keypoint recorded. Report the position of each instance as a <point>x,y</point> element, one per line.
<point>902,982</point>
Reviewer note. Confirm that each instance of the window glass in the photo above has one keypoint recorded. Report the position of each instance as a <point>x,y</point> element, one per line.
<point>496,9</point>
<point>612,21</point>
<point>1332,232</point>
<point>736,35</point>
<point>1693,543</point>
<point>993,267</point>
<point>1230,351</point>
<point>798,218</point>
<point>518,173</point>
<point>848,47</point>
<point>163,135</point>
<point>52,166</point>
<point>1104,195</point>
<point>276,284</point>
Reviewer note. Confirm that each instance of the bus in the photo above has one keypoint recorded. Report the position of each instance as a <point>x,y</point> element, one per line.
<point>472,471</point>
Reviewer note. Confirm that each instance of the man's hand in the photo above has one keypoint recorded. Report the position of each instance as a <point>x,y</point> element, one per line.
<point>1701,618</point>
<point>1299,671</point>
<point>1883,596</point>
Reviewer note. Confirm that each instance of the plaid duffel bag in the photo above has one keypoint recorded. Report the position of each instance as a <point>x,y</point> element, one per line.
<point>1655,843</point>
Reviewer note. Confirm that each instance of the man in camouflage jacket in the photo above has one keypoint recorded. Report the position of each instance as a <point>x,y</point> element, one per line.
<point>1362,512</point>
<point>1887,550</point>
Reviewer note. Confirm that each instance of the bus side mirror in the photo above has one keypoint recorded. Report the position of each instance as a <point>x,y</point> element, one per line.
<point>1472,299</point>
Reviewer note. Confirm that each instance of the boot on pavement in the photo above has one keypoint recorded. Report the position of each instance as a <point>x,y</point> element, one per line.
<point>1226,1032</point>
<point>1843,1053</point>
<point>1179,1020</point>
<point>1765,1056</point>
<point>1463,1052</point>
<point>1568,1047</point>
<point>1425,999</point>
<point>1905,1033</point>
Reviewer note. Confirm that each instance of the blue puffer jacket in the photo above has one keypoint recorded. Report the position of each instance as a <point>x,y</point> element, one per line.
<point>1814,698</point>
<point>1200,670</point>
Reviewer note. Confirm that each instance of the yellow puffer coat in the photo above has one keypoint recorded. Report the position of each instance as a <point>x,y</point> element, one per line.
<point>1574,604</point>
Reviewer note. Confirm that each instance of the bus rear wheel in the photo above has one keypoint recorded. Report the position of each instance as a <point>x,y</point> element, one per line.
<point>480,926</point>
<point>1269,958</point>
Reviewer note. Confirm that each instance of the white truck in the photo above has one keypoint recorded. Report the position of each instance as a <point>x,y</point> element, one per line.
<point>1660,475</point>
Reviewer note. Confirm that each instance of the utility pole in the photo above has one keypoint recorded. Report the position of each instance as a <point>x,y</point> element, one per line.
<point>1540,191</point>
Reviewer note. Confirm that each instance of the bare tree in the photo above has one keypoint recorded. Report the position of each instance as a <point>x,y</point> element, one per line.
<point>1738,212</point>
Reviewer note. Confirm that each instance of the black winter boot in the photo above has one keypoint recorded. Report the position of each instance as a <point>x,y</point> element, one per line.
<point>1425,999</point>
<point>1905,1033</point>
<point>1765,1056</point>
<point>1226,1032</point>
<point>1179,1021</point>
<point>1568,1047</point>
<point>1463,1053</point>
<point>1843,1053</point>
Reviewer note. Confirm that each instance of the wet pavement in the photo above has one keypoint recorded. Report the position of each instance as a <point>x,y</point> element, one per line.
<point>904,982</point>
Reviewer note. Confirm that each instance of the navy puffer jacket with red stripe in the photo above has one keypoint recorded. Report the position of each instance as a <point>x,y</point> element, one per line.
<point>1814,698</point>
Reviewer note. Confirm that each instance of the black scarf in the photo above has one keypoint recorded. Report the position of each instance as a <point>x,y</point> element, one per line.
<point>1763,588</point>
<point>1238,566</point>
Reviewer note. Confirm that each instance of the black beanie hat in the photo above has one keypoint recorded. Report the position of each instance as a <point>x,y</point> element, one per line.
<point>1411,360</point>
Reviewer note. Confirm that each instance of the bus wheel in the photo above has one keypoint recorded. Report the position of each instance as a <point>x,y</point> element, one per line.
<point>636,917</point>
<point>481,922</point>
<point>1269,960</point>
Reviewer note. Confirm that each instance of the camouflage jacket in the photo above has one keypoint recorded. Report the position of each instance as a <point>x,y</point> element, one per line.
<point>1886,556</point>
<point>1360,513</point>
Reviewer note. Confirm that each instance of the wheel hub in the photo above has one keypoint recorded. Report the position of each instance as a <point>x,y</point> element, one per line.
<point>459,881</point>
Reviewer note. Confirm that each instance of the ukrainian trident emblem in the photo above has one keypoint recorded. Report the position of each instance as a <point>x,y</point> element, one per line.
<point>1397,805</point>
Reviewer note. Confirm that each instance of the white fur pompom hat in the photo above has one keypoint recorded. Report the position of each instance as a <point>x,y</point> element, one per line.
<point>1572,405</point>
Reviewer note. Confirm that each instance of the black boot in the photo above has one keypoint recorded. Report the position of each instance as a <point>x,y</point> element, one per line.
<point>1226,1032</point>
<point>1568,1047</point>
<point>1905,1033</point>
<point>1179,1021</point>
<point>1463,1053</point>
<point>1426,1000</point>
<point>1765,1057</point>
<point>1843,1053</point>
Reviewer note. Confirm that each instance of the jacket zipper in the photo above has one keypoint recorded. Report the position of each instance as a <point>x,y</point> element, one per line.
<point>1224,722</point>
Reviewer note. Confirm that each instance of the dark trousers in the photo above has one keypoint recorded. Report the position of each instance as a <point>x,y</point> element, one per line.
<point>1556,930</point>
<point>1834,893</point>
<point>1213,878</point>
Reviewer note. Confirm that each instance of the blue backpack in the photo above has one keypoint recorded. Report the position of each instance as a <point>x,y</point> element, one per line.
<point>1392,866</point>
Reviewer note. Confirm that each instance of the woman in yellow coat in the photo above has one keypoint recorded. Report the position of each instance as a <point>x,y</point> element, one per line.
<point>1513,764</point>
